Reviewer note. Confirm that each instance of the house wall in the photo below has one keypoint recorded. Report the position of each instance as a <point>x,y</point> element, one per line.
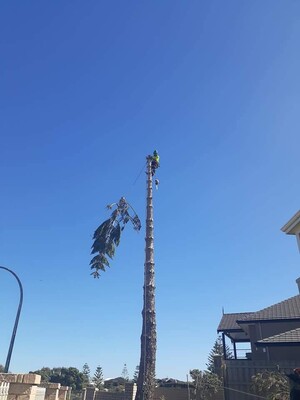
<point>262,330</point>
<point>284,353</point>
<point>274,328</point>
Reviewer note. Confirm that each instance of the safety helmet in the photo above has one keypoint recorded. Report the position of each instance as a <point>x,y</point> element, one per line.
<point>155,152</point>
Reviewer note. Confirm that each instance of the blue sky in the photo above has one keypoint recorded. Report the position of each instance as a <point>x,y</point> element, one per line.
<point>87,90</point>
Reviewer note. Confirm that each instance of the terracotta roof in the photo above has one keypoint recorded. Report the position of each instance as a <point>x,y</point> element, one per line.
<point>228,321</point>
<point>292,336</point>
<point>287,309</point>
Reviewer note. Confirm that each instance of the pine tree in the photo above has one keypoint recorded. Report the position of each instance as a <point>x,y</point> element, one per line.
<point>98,378</point>
<point>86,372</point>
<point>125,374</point>
<point>136,374</point>
<point>217,350</point>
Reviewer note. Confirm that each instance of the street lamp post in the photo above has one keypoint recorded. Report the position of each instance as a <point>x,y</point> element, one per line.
<point>12,340</point>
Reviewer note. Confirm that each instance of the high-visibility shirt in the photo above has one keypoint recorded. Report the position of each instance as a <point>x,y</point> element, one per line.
<point>156,158</point>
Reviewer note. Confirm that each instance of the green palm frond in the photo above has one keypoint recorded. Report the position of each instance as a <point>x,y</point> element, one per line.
<point>110,250</point>
<point>107,236</point>
<point>116,234</point>
<point>100,258</point>
<point>102,228</point>
<point>98,246</point>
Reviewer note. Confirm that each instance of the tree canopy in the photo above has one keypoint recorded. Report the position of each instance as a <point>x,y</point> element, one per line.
<point>271,384</point>
<point>206,384</point>
<point>65,376</point>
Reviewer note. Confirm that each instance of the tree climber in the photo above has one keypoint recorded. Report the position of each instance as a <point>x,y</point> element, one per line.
<point>154,162</point>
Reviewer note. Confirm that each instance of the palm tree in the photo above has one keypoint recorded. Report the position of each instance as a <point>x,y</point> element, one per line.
<point>106,239</point>
<point>146,377</point>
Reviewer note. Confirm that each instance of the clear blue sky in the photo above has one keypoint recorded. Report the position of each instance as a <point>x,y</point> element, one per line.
<point>88,89</point>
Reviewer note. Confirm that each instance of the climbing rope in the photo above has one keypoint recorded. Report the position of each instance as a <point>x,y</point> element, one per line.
<point>139,173</point>
<point>249,394</point>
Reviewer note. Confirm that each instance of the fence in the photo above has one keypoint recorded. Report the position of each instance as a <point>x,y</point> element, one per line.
<point>238,373</point>
<point>4,387</point>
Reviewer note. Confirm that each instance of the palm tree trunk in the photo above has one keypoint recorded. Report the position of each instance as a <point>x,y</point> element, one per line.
<point>146,378</point>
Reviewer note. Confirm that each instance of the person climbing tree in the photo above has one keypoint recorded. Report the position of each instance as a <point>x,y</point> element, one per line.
<point>154,162</point>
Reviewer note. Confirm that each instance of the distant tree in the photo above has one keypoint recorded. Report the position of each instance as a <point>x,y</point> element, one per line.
<point>217,350</point>
<point>86,372</point>
<point>65,376</point>
<point>98,378</point>
<point>68,377</point>
<point>136,374</point>
<point>125,374</point>
<point>45,373</point>
<point>206,384</point>
<point>1,368</point>
<point>271,384</point>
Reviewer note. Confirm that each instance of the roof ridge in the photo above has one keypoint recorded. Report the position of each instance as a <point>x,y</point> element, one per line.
<point>245,312</point>
<point>277,304</point>
<point>285,309</point>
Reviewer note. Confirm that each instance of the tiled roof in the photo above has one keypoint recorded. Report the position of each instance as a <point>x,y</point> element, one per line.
<point>228,321</point>
<point>292,336</point>
<point>287,309</point>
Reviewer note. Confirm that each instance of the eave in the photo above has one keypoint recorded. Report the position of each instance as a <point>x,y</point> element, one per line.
<point>293,225</point>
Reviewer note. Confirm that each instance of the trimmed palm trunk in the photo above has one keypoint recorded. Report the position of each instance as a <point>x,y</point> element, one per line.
<point>146,378</point>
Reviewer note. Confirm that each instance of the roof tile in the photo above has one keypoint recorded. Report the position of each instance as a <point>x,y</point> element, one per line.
<point>287,309</point>
<point>292,336</point>
<point>228,321</point>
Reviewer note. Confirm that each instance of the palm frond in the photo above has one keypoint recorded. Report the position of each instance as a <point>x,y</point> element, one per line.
<point>101,259</point>
<point>116,234</point>
<point>98,245</point>
<point>107,236</point>
<point>102,228</point>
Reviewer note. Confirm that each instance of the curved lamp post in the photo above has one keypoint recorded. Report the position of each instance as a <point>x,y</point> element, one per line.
<point>12,340</point>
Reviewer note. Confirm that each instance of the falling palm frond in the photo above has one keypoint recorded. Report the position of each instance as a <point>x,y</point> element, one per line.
<point>107,236</point>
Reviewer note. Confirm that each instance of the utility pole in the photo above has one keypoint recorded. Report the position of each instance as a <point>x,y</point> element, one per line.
<point>146,378</point>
